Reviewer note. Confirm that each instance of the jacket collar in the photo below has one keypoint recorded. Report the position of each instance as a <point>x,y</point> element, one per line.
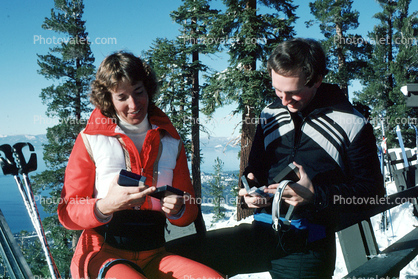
<point>328,96</point>
<point>99,124</point>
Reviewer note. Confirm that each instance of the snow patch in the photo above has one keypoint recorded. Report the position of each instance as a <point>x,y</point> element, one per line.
<point>401,222</point>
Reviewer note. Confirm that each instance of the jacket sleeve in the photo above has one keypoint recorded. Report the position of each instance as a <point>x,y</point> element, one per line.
<point>363,179</point>
<point>76,207</point>
<point>258,162</point>
<point>182,181</point>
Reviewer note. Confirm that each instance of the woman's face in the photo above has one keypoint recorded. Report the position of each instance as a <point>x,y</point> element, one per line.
<point>130,102</point>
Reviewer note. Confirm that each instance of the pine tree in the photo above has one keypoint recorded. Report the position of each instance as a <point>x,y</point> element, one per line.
<point>347,53</point>
<point>70,66</point>
<point>405,68</point>
<point>249,38</point>
<point>393,64</point>
<point>170,62</point>
<point>216,190</point>
<point>195,17</point>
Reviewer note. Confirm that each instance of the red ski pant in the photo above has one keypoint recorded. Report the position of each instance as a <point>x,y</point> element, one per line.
<point>156,263</point>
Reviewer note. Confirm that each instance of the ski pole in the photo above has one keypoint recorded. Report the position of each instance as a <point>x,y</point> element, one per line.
<point>401,145</point>
<point>416,138</point>
<point>9,167</point>
<point>24,168</point>
<point>12,255</point>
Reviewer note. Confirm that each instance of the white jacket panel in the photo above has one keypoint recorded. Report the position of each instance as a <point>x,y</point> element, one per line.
<point>109,159</point>
<point>166,164</point>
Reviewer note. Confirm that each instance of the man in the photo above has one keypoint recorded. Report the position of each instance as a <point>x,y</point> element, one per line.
<point>313,125</point>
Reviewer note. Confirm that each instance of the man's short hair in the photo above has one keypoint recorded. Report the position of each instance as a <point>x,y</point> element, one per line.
<point>298,55</point>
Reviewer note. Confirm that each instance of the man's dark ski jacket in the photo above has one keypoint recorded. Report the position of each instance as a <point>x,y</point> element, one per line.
<point>332,141</point>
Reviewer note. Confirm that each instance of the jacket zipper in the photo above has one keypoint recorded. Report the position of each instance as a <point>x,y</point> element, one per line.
<point>298,137</point>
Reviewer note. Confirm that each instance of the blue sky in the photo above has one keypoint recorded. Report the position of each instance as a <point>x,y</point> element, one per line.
<point>114,25</point>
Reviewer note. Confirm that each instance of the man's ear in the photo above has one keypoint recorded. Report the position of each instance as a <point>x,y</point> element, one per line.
<point>318,82</point>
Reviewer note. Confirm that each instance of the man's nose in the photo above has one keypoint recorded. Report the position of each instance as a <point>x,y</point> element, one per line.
<point>286,98</point>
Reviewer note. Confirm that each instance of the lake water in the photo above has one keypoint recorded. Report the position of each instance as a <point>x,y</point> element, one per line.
<point>14,211</point>
<point>12,206</point>
<point>229,158</point>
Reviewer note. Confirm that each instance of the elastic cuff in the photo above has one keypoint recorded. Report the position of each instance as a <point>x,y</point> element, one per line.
<point>320,198</point>
<point>178,215</point>
<point>103,218</point>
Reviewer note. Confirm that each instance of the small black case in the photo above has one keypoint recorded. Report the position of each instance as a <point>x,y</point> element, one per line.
<point>161,192</point>
<point>130,179</point>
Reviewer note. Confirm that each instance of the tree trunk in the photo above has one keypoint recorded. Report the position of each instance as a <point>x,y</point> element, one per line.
<point>248,131</point>
<point>77,106</point>
<point>389,79</point>
<point>197,184</point>
<point>79,90</point>
<point>341,58</point>
<point>247,137</point>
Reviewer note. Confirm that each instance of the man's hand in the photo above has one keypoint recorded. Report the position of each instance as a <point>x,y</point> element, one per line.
<point>253,201</point>
<point>298,193</point>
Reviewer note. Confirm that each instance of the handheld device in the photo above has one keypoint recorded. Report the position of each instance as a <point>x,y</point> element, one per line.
<point>166,190</point>
<point>290,172</point>
<point>130,179</point>
<point>255,190</point>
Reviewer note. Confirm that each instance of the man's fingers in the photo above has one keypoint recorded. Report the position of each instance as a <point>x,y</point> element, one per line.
<point>242,192</point>
<point>251,176</point>
<point>256,201</point>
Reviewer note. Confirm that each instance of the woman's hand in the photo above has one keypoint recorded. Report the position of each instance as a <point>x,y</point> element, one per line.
<point>172,204</point>
<point>120,198</point>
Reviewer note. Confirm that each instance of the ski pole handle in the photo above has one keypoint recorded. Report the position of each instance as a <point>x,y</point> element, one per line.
<point>8,164</point>
<point>25,167</point>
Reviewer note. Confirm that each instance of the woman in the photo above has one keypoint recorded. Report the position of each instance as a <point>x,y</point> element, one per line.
<point>123,227</point>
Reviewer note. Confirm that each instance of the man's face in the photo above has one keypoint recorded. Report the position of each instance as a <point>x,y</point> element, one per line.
<point>293,92</point>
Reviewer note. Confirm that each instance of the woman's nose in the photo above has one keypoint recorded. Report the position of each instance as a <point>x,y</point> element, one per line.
<point>132,102</point>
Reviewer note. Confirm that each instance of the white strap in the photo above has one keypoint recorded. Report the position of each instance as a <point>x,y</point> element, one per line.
<point>276,203</point>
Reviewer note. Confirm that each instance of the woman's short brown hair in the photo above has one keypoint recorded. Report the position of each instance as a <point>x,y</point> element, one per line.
<point>114,69</point>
